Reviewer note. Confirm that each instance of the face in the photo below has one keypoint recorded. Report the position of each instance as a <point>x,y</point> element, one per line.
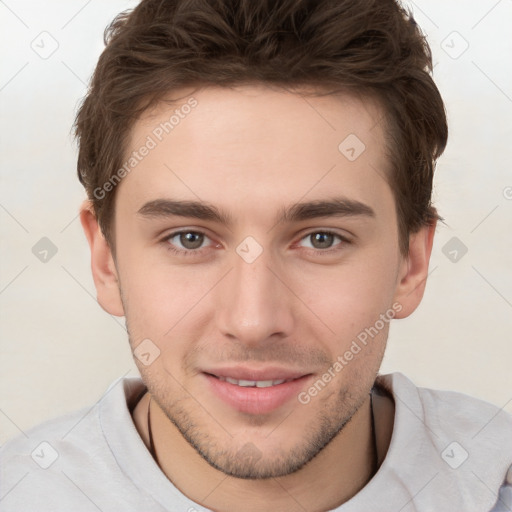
<point>258,263</point>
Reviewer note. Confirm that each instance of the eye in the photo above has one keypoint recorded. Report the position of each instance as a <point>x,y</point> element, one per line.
<point>322,240</point>
<point>187,240</point>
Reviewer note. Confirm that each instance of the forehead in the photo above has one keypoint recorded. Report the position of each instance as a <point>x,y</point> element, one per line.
<point>256,143</point>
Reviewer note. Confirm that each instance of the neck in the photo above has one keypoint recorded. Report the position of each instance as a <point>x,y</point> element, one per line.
<point>341,470</point>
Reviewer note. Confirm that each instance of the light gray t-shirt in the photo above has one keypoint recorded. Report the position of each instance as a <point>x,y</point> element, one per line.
<point>449,452</point>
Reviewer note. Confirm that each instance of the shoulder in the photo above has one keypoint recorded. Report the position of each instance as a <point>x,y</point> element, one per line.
<point>504,502</point>
<point>463,444</point>
<point>44,442</point>
<point>63,458</point>
<point>34,466</point>
<point>450,412</point>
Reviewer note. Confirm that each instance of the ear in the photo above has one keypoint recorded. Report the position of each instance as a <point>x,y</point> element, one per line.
<point>104,271</point>
<point>414,270</point>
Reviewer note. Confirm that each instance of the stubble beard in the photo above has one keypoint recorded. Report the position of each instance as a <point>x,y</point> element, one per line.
<point>248,461</point>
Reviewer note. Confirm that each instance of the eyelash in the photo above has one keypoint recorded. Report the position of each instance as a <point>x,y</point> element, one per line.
<point>194,252</point>
<point>327,252</point>
<point>183,252</point>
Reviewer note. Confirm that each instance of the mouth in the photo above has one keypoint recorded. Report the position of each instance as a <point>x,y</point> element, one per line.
<point>255,392</point>
<point>254,383</point>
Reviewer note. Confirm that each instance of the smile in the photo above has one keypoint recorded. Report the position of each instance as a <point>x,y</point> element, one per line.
<point>255,392</point>
<point>254,383</point>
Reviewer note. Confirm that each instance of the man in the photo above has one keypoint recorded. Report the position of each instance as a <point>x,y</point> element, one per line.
<point>259,180</point>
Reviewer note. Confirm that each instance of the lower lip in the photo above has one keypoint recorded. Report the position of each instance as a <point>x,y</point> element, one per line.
<point>253,400</point>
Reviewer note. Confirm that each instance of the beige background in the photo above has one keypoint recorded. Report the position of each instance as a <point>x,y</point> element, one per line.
<point>59,350</point>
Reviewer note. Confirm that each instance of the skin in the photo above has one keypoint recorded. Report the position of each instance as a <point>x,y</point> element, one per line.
<point>252,151</point>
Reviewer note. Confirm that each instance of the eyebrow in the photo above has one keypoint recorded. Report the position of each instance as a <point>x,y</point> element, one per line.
<point>334,207</point>
<point>194,209</point>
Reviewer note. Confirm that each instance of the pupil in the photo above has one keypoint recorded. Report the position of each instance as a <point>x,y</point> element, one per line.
<point>322,240</point>
<point>191,240</point>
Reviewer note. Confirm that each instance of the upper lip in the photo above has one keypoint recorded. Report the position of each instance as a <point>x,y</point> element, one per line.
<point>256,374</point>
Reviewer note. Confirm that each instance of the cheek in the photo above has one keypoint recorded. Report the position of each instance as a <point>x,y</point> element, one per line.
<point>163,300</point>
<point>350,298</point>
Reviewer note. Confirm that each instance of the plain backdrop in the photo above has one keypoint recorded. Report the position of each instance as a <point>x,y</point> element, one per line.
<point>60,351</point>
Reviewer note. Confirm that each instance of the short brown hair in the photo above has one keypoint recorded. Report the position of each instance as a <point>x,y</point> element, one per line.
<point>371,47</point>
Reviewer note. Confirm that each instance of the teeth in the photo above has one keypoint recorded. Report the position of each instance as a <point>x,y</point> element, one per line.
<point>265,383</point>
<point>243,383</point>
<point>253,383</point>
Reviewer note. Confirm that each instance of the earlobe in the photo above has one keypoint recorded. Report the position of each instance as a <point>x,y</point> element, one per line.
<point>103,268</point>
<point>414,271</point>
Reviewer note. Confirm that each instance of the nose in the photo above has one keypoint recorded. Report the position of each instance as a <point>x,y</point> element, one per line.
<point>254,304</point>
